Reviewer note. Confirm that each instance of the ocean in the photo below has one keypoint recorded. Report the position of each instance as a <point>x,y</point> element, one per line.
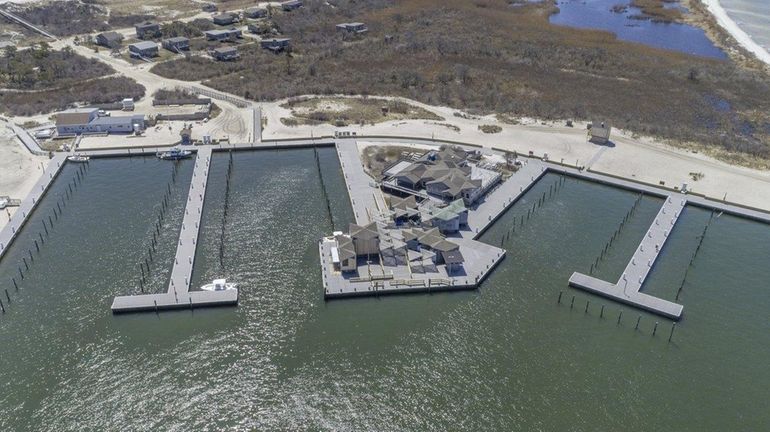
<point>752,16</point>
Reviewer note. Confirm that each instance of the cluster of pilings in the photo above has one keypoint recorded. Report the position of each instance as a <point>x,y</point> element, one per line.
<point>615,234</point>
<point>323,187</point>
<point>25,266</point>
<point>552,191</point>
<point>620,316</point>
<point>224,216</point>
<point>144,265</point>
<point>695,253</point>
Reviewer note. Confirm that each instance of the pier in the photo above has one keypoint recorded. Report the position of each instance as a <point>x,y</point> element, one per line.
<point>179,295</point>
<point>627,289</point>
<point>361,188</point>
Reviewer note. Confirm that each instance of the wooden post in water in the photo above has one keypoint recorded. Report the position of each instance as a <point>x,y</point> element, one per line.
<point>620,315</point>
<point>637,322</point>
<point>670,335</point>
<point>560,293</point>
<point>655,329</point>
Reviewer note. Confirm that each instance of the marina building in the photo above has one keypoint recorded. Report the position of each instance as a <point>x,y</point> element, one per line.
<point>447,174</point>
<point>88,121</point>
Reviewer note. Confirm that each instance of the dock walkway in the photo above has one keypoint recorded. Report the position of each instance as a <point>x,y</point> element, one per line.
<point>497,201</point>
<point>178,295</point>
<point>360,190</point>
<point>627,289</point>
<point>11,230</point>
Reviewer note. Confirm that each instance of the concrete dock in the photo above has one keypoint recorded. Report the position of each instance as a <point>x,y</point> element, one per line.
<point>11,230</point>
<point>376,279</point>
<point>362,191</point>
<point>627,289</point>
<point>178,295</point>
<point>497,201</point>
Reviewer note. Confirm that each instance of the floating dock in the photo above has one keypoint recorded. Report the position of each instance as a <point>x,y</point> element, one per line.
<point>627,289</point>
<point>179,295</point>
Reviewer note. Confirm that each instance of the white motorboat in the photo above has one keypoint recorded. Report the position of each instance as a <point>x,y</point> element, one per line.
<point>3,203</point>
<point>77,157</point>
<point>219,285</point>
<point>174,154</point>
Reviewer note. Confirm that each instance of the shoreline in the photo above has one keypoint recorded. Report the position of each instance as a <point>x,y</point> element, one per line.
<point>741,37</point>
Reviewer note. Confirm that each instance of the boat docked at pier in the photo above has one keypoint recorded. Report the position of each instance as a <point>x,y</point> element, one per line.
<point>219,285</point>
<point>77,157</point>
<point>174,154</point>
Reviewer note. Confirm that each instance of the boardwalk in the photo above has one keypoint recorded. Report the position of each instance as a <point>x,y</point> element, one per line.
<point>19,218</point>
<point>627,289</point>
<point>256,125</point>
<point>178,294</point>
<point>27,24</point>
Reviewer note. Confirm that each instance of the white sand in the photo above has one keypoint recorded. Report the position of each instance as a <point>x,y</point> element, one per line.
<point>741,36</point>
<point>19,170</point>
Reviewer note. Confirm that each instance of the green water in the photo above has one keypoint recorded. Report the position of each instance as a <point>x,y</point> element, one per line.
<point>506,357</point>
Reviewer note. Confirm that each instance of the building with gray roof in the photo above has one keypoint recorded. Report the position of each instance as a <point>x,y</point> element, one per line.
<point>176,44</point>
<point>87,121</point>
<point>143,49</point>
<point>109,39</point>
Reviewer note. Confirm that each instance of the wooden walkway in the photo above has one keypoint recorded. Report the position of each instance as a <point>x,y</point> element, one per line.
<point>178,295</point>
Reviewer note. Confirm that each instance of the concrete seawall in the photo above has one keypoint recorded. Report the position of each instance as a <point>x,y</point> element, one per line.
<point>9,233</point>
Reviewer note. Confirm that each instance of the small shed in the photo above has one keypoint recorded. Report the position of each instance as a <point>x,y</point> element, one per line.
<point>599,132</point>
<point>143,49</point>
<point>225,18</point>
<point>275,44</point>
<point>109,39</point>
<point>147,29</point>
<point>226,53</point>
<point>176,44</point>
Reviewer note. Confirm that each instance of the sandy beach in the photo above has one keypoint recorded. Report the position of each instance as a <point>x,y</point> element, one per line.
<point>731,27</point>
<point>19,170</point>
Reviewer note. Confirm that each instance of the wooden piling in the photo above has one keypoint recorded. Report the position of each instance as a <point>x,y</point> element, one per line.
<point>670,335</point>
<point>637,322</point>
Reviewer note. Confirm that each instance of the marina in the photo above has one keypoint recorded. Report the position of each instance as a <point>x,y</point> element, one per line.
<point>283,320</point>
<point>368,204</point>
